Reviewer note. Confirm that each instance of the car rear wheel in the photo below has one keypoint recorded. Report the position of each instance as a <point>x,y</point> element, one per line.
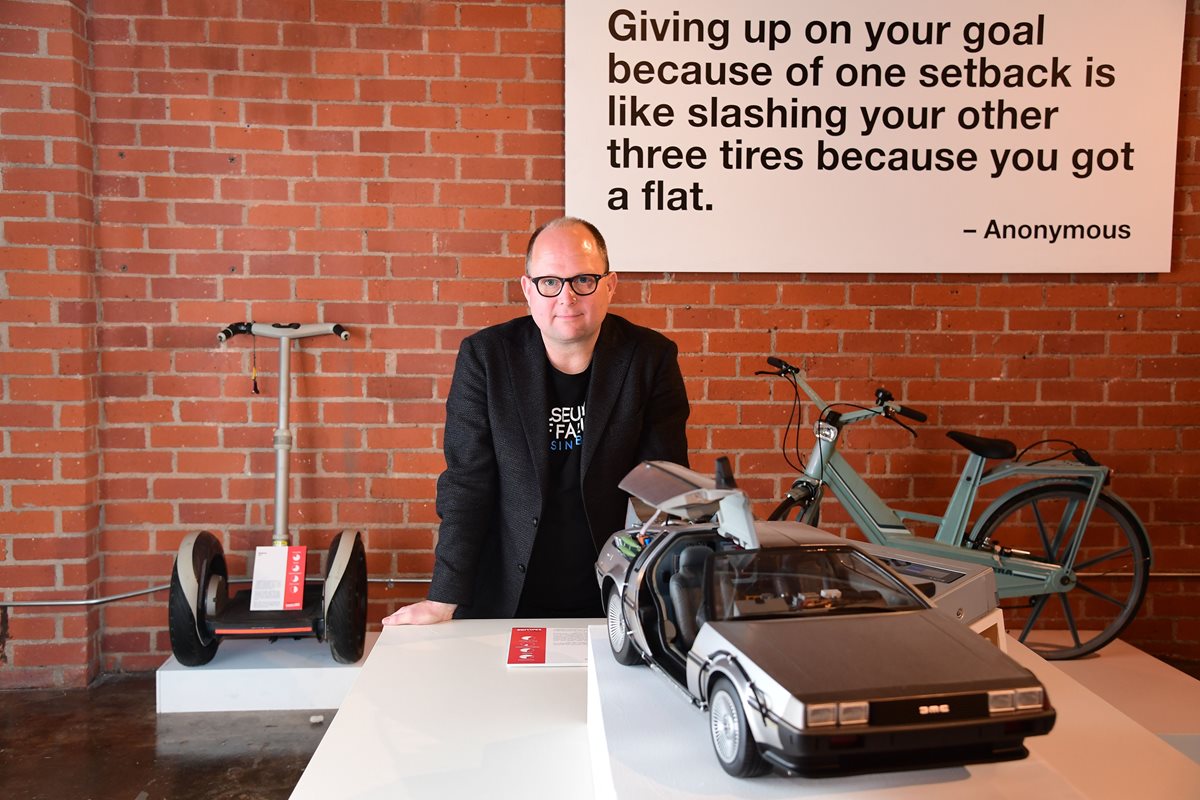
<point>618,635</point>
<point>731,737</point>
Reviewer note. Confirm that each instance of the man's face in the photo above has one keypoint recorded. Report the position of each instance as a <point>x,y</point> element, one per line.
<point>567,319</point>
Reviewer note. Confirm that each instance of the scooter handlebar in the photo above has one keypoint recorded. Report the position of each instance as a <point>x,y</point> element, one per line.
<point>233,329</point>
<point>279,330</point>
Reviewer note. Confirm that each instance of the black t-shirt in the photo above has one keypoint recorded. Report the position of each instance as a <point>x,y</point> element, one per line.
<point>561,578</point>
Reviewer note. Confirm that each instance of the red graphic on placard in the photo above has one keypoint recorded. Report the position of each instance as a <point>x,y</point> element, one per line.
<point>527,646</point>
<point>293,592</point>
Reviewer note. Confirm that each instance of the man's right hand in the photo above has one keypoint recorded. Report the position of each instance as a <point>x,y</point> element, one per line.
<point>426,612</point>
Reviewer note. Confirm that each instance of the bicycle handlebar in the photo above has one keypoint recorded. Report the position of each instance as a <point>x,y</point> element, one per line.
<point>783,367</point>
<point>883,398</point>
<point>911,413</point>
<point>280,330</point>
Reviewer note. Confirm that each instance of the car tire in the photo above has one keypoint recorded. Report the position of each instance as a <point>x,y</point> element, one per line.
<point>732,741</point>
<point>618,635</point>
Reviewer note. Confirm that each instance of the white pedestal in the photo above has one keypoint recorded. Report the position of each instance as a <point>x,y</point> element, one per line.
<point>991,627</point>
<point>259,675</point>
<point>1157,696</point>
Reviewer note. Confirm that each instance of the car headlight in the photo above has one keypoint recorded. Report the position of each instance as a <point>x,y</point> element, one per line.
<point>853,713</point>
<point>1000,702</point>
<point>1025,699</point>
<point>817,715</point>
<point>1031,698</point>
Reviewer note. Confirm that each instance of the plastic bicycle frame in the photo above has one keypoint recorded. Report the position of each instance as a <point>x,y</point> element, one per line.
<point>1015,576</point>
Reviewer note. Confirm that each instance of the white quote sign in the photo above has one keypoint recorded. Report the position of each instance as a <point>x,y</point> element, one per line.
<point>936,136</point>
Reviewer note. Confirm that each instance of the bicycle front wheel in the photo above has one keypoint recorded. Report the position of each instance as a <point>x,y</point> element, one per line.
<point>1111,567</point>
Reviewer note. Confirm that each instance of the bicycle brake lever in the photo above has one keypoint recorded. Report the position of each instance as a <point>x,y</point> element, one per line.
<point>887,413</point>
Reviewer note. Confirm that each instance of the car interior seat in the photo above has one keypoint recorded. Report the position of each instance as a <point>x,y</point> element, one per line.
<point>687,593</point>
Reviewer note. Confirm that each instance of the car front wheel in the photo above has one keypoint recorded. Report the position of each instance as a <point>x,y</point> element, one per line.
<point>618,634</point>
<point>731,737</point>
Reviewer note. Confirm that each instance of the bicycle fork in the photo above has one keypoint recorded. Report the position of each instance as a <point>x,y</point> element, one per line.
<point>807,493</point>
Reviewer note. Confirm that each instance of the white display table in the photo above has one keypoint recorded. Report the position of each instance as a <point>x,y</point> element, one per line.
<point>435,712</point>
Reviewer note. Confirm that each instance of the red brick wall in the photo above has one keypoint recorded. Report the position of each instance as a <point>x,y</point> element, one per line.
<point>50,461</point>
<point>380,164</point>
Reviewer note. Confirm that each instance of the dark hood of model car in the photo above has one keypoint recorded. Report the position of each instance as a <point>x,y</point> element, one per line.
<point>820,659</point>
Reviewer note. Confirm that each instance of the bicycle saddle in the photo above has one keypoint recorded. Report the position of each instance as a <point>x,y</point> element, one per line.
<point>982,446</point>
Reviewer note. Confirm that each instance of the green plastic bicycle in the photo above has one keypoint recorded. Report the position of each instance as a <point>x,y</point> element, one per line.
<point>1071,558</point>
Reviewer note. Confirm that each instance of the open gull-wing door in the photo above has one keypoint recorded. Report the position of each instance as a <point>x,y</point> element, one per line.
<point>681,492</point>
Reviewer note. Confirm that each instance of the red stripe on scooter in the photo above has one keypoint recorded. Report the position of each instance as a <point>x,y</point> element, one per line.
<point>261,631</point>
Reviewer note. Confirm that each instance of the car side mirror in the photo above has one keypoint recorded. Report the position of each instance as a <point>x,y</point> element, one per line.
<point>724,474</point>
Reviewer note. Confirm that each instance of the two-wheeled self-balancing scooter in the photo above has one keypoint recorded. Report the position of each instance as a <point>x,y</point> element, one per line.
<point>200,610</point>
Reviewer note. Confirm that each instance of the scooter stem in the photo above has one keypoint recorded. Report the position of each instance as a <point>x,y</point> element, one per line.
<point>283,445</point>
<point>283,434</point>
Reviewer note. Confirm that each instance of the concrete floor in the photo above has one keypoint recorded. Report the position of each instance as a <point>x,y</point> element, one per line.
<point>107,742</point>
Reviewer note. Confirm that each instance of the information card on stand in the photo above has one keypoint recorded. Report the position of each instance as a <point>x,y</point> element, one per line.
<point>547,647</point>
<point>278,579</point>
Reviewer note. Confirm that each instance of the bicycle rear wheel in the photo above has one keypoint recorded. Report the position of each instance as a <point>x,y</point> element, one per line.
<point>1111,568</point>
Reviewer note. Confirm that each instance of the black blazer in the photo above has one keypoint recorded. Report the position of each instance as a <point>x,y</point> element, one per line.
<point>497,450</point>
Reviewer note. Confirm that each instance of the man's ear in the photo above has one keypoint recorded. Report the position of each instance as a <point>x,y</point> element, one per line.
<point>611,280</point>
<point>527,287</point>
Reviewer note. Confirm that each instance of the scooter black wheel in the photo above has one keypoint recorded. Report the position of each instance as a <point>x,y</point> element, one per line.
<point>346,598</point>
<point>199,572</point>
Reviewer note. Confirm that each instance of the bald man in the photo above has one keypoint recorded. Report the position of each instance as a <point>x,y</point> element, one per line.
<point>546,414</point>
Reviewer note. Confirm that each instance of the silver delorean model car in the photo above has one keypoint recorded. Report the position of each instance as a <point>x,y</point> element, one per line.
<point>809,654</point>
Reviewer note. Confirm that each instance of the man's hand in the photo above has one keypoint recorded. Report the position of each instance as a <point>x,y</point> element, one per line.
<point>426,612</point>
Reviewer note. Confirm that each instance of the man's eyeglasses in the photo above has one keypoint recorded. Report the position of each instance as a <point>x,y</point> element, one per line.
<point>582,285</point>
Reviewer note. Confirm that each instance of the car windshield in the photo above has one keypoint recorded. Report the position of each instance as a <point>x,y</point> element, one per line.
<point>801,582</point>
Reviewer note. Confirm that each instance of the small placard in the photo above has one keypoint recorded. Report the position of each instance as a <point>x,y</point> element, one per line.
<point>278,579</point>
<point>547,647</point>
